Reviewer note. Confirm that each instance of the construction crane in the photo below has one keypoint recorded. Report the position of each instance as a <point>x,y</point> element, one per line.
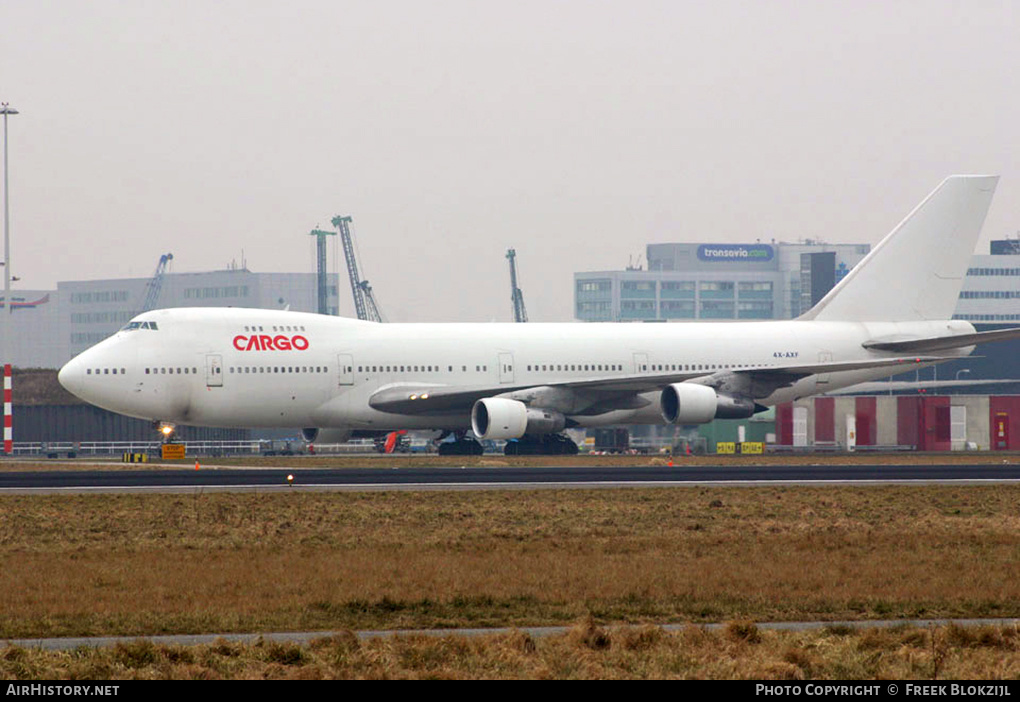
<point>520,314</point>
<point>320,244</point>
<point>374,313</point>
<point>153,287</point>
<point>365,305</point>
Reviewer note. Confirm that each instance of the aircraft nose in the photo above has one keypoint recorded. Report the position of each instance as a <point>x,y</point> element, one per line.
<point>71,377</point>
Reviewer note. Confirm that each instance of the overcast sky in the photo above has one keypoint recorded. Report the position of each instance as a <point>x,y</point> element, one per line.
<point>574,131</point>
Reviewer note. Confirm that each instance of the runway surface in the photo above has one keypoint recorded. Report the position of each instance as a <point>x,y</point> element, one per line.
<point>492,477</point>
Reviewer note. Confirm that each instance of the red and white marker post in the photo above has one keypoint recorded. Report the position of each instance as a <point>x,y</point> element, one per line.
<point>8,412</point>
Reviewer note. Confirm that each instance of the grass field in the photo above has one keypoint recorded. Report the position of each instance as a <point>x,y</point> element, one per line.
<point>588,651</point>
<point>155,564</point>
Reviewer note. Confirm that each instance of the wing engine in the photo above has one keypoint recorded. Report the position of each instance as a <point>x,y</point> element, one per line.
<point>499,418</point>
<point>690,403</point>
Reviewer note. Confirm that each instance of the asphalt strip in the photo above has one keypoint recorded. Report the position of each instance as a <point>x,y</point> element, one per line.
<point>62,644</point>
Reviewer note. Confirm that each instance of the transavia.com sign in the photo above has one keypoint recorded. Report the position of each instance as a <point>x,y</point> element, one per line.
<point>757,253</point>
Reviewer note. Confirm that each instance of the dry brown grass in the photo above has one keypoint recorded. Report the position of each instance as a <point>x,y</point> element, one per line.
<point>154,564</point>
<point>588,651</point>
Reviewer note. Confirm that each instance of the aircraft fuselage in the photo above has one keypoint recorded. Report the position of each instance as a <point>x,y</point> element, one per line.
<point>237,367</point>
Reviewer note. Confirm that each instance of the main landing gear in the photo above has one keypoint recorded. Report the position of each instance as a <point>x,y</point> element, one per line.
<point>462,446</point>
<point>528,445</point>
<point>542,445</point>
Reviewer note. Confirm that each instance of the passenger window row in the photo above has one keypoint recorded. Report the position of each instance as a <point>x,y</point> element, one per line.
<point>417,369</point>
<point>558,367</point>
<point>644,368</point>
<point>568,367</point>
<point>275,328</point>
<point>665,367</point>
<point>241,370</point>
<point>148,371</point>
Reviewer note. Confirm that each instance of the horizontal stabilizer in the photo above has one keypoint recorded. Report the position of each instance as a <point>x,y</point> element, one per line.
<point>942,343</point>
<point>885,386</point>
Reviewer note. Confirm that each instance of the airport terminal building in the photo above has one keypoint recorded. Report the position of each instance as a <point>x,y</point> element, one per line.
<point>991,291</point>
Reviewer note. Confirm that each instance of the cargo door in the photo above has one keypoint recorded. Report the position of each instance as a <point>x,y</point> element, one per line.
<point>958,429</point>
<point>800,426</point>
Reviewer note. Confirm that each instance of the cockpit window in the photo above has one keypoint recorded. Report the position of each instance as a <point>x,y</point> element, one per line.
<point>131,326</point>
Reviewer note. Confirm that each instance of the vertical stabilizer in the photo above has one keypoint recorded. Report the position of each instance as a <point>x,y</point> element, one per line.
<point>915,273</point>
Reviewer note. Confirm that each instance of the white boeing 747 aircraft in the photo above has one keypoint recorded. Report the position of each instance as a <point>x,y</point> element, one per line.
<point>339,377</point>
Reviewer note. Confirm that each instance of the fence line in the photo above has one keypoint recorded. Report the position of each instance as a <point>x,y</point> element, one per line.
<point>253,447</point>
<point>193,448</point>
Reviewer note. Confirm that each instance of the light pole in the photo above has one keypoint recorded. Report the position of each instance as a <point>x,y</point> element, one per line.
<point>8,429</point>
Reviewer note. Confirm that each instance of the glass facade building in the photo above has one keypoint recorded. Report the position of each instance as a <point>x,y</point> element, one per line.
<point>687,282</point>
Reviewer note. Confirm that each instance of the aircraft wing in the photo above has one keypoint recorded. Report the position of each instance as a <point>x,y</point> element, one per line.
<point>423,398</point>
<point>940,343</point>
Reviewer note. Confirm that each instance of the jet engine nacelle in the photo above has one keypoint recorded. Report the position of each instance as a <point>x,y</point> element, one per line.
<point>690,403</point>
<point>499,418</point>
<point>325,436</point>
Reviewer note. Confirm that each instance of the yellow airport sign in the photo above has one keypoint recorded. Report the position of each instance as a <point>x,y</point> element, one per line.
<point>173,451</point>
